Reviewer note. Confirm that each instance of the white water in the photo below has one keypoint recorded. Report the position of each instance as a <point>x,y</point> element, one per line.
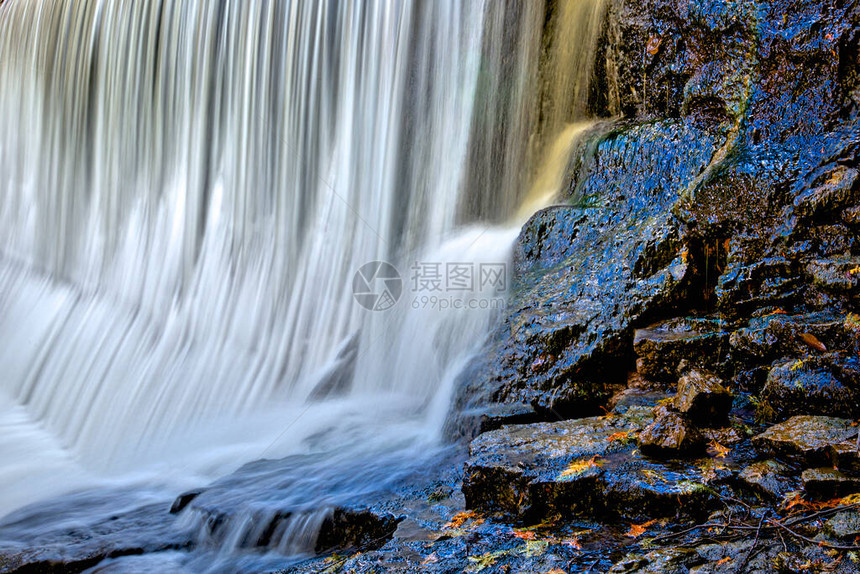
<point>186,190</point>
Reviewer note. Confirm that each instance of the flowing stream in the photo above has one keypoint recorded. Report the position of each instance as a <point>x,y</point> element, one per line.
<point>188,188</point>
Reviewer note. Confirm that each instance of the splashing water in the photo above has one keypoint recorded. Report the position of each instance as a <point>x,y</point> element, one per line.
<point>187,188</point>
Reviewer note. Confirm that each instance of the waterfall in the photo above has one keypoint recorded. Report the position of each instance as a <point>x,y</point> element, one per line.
<point>188,188</point>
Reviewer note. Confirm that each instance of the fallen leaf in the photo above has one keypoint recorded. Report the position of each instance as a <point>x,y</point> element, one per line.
<point>556,571</point>
<point>653,44</point>
<point>479,563</point>
<point>573,543</point>
<point>534,548</point>
<point>812,341</point>
<point>719,450</point>
<point>725,560</point>
<point>854,271</point>
<point>524,534</point>
<point>430,559</point>
<point>578,467</point>
<point>637,530</point>
<point>653,476</point>
<point>461,518</point>
<point>622,436</point>
<point>776,312</point>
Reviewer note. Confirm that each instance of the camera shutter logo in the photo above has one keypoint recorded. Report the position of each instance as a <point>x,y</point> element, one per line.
<point>377,286</point>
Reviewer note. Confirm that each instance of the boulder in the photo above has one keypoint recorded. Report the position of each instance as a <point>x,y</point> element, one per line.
<point>585,466</point>
<point>805,440</point>
<point>671,434</point>
<point>835,274</point>
<point>827,483</point>
<point>661,347</point>
<point>809,387</point>
<point>846,457</point>
<point>703,398</point>
<point>770,479</point>
<point>844,525</point>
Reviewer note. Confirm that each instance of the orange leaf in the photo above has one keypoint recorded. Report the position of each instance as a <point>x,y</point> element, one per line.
<point>777,312</point>
<point>573,543</point>
<point>812,341</point>
<point>725,560</point>
<point>720,451</point>
<point>579,467</point>
<point>460,518</point>
<point>524,534</point>
<point>619,436</point>
<point>637,530</point>
<point>654,44</point>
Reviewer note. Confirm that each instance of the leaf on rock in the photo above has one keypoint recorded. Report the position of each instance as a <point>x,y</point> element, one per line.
<point>524,534</point>
<point>718,450</point>
<point>461,518</point>
<point>479,563</point>
<point>637,530</point>
<point>812,341</point>
<point>578,467</point>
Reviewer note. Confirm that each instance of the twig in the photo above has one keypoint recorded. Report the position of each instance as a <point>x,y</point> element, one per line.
<point>810,540</point>
<point>755,542</point>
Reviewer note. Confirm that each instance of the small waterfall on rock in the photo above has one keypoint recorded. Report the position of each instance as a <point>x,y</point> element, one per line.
<point>188,188</point>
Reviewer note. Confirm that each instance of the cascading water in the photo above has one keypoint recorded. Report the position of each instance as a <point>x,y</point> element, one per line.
<point>187,189</point>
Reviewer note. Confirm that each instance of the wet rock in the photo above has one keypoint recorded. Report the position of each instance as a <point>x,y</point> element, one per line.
<point>671,434</point>
<point>770,479</point>
<point>846,457</point>
<point>661,347</point>
<point>827,483</point>
<point>835,274</point>
<point>834,193</point>
<point>703,398</point>
<point>726,436</point>
<point>811,387</point>
<point>83,531</point>
<point>775,335</point>
<point>347,528</point>
<point>183,500</point>
<point>666,560</point>
<point>586,275</point>
<point>805,440</point>
<point>844,525</point>
<point>584,466</point>
<point>507,414</point>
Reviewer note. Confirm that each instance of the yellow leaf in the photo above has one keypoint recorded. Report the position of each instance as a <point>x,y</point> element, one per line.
<point>653,476</point>
<point>479,563</point>
<point>534,548</point>
<point>719,450</point>
<point>578,467</point>
<point>854,271</point>
<point>637,530</point>
<point>851,499</point>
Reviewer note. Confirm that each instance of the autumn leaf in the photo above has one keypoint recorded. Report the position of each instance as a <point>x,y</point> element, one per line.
<point>719,450</point>
<point>725,560</point>
<point>851,499</point>
<point>654,45</point>
<point>798,364</point>
<point>776,312</point>
<point>812,341</point>
<point>461,518</point>
<point>619,436</point>
<point>430,559</point>
<point>852,322</point>
<point>573,543</point>
<point>479,563</point>
<point>578,467</point>
<point>534,548</point>
<point>854,271</point>
<point>556,571</point>
<point>637,530</point>
<point>524,534</point>
<point>653,476</point>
